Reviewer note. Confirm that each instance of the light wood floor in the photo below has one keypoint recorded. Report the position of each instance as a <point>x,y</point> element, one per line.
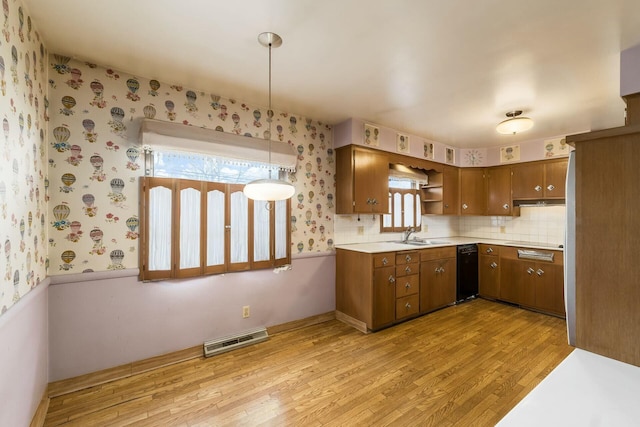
<point>465,365</point>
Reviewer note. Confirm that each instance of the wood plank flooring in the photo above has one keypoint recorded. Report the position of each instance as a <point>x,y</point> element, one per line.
<point>465,365</point>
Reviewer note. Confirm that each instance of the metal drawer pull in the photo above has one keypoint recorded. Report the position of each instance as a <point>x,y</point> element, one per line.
<point>535,255</point>
<point>407,269</point>
<point>540,272</point>
<point>408,306</point>
<point>489,250</point>
<point>530,270</point>
<point>537,188</point>
<point>505,206</point>
<point>408,258</point>
<point>464,206</point>
<point>550,187</point>
<point>407,285</point>
<point>439,269</point>
<point>493,265</point>
<point>385,261</point>
<point>392,279</point>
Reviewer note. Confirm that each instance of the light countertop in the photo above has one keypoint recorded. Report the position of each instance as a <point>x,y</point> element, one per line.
<point>585,389</point>
<point>376,247</point>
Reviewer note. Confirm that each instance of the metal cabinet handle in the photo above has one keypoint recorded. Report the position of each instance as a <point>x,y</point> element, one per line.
<point>407,306</point>
<point>407,285</point>
<point>465,206</point>
<point>446,205</point>
<point>537,188</point>
<point>408,258</point>
<point>392,279</point>
<point>540,272</point>
<point>407,269</point>
<point>374,201</point>
<point>489,250</point>
<point>385,261</point>
<point>550,187</point>
<point>493,265</point>
<point>530,270</point>
<point>505,206</point>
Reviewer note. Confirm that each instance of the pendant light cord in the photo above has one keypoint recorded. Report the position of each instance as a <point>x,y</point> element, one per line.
<point>270,111</point>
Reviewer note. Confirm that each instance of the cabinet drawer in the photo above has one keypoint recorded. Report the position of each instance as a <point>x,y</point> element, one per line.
<point>438,253</point>
<point>407,285</point>
<point>407,306</point>
<point>407,269</point>
<point>384,259</point>
<point>484,249</point>
<point>407,257</point>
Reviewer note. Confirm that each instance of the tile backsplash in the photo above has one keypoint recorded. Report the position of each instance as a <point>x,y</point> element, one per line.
<point>535,224</point>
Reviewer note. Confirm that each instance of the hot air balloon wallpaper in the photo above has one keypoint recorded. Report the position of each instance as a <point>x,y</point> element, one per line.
<point>98,173</point>
<point>98,89</point>
<point>190,104</point>
<point>67,257</point>
<point>170,106</point>
<point>117,116</point>
<point>154,85</point>
<point>67,179</point>
<point>133,85</point>
<point>76,157</point>
<point>68,102</point>
<point>75,82</point>
<point>116,196</point>
<point>60,215</point>
<point>116,256</point>
<point>61,135</point>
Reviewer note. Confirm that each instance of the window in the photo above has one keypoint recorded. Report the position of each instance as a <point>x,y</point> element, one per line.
<point>195,227</point>
<point>404,206</point>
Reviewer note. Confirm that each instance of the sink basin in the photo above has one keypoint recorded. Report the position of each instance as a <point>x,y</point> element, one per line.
<point>422,242</point>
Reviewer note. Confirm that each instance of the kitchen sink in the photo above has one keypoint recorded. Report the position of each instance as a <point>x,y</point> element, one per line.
<point>422,242</point>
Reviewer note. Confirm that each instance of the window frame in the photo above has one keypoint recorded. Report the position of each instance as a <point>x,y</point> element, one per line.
<point>417,213</point>
<point>178,184</point>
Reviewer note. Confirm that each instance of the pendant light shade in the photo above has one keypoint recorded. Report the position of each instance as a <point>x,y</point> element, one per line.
<point>269,189</point>
<point>514,124</point>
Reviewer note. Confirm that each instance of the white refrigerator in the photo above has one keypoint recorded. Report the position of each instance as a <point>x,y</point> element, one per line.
<point>570,251</point>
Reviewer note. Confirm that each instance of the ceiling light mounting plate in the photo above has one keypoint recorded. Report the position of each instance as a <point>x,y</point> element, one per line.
<point>269,39</point>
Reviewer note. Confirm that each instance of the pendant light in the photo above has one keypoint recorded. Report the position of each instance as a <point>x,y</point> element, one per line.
<point>269,189</point>
<point>514,124</point>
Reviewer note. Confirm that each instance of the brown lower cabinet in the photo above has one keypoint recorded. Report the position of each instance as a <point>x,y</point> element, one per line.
<point>437,278</point>
<point>489,271</point>
<point>534,284</point>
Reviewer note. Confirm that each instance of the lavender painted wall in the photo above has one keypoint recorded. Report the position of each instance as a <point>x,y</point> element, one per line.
<point>629,66</point>
<point>104,323</point>
<point>23,357</point>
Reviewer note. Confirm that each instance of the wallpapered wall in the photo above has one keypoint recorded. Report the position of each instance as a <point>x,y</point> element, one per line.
<point>23,206</point>
<point>96,160</point>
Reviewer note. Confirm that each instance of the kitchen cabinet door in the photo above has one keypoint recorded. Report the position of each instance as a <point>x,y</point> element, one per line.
<point>437,284</point>
<point>488,272</point>
<point>384,297</point>
<point>498,191</point>
<point>511,280</point>
<point>451,191</point>
<point>555,179</point>
<point>472,191</point>
<point>550,288</point>
<point>362,181</point>
<point>527,181</point>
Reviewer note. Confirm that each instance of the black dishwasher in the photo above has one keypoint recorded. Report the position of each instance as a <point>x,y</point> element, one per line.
<point>467,278</point>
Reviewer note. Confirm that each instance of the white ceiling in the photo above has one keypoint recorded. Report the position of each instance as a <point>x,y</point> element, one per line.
<point>448,70</point>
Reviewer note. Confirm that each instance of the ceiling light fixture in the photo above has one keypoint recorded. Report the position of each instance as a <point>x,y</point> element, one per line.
<point>269,189</point>
<point>514,124</point>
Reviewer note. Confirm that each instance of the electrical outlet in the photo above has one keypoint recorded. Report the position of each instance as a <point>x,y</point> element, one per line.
<point>503,229</point>
<point>245,312</point>
<point>361,230</point>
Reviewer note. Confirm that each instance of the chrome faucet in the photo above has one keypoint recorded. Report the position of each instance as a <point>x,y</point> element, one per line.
<point>407,233</point>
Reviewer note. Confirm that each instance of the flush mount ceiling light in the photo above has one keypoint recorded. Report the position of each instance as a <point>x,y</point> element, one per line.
<point>514,124</point>
<point>269,189</point>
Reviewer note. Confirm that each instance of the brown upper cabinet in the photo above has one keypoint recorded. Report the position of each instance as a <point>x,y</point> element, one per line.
<point>539,180</point>
<point>472,191</point>
<point>498,181</point>
<point>362,181</point>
